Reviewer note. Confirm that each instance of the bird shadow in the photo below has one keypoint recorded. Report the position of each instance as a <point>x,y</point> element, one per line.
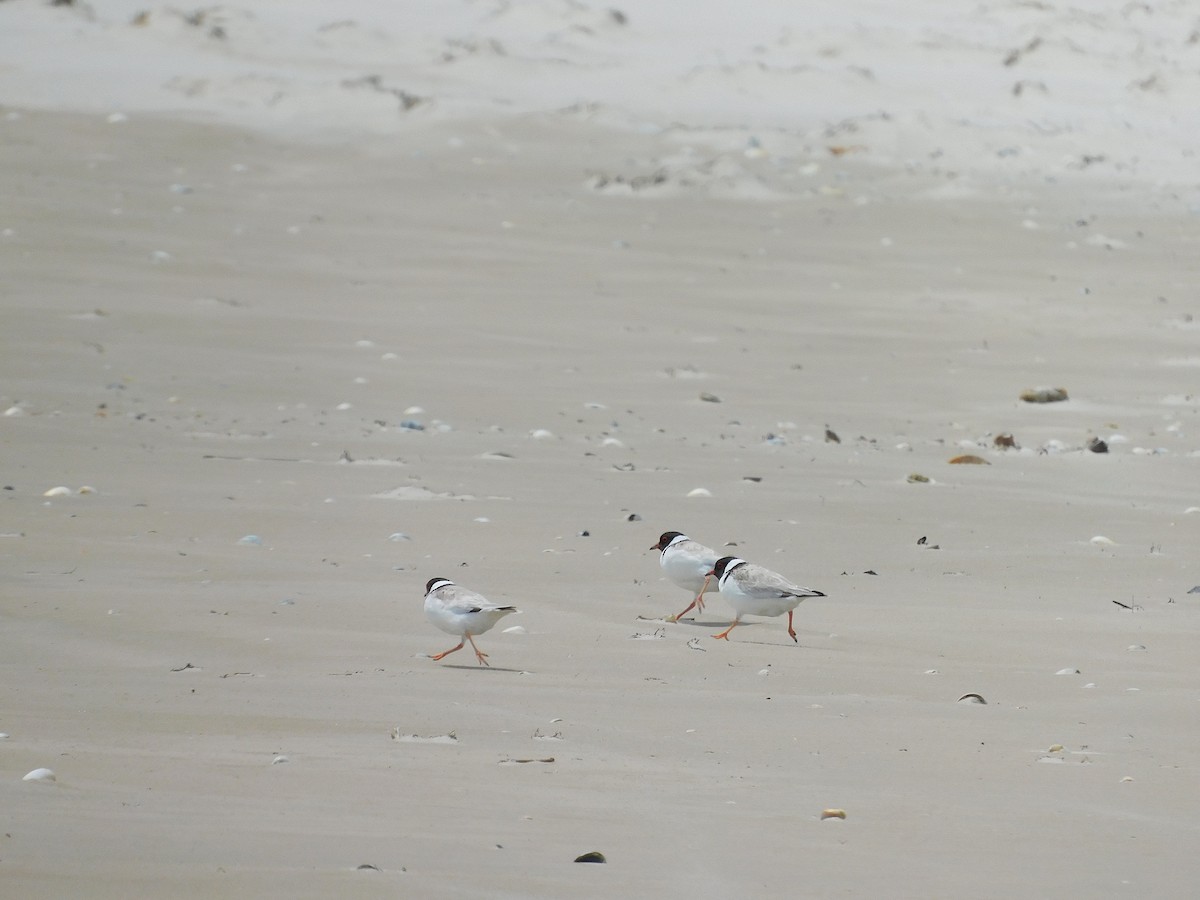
<point>696,624</point>
<point>469,668</point>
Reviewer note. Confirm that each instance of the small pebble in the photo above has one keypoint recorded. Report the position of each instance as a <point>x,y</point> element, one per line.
<point>412,425</point>
<point>969,459</point>
<point>709,398</point>
<point>1044,395</point>
<point>918,478</point>
<point>595,856</point>
<point>1097,446</point>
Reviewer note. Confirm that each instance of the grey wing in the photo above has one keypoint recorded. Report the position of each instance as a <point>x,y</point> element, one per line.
<point>762,582</point>
<point>459,600</point>
<point>706,555</point>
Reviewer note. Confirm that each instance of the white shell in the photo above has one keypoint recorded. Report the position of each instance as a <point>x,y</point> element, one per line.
<point>541,434</point>
<point>40,775</point>
<point>1100,540</point>
<point>700,492</point>
<point>1067,672</point>
<point>59,491</point>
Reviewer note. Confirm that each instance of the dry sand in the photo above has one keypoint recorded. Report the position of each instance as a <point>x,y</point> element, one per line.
<point>220,331</point>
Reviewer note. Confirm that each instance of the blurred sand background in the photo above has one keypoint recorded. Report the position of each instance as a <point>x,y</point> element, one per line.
<point>248,249</point>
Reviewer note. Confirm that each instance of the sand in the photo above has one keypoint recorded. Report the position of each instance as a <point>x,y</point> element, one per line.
<point>218,313</point>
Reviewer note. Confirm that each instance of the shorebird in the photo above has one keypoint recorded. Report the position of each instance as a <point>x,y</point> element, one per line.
<point>688,564</point>
<point>754,591</point>
<point>457,610</point>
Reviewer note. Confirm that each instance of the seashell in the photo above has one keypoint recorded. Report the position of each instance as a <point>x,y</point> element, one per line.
<point>969,459</point>
<point>709,398</point>
<point>972,698</point>
<point>1097,446</point>
<point>398,536</point>
<point>59,491</point>
<point>541,434</point>
<point>87,489</point>
<point>411,425</point>
<point>1127,780</point>
<point>279,759</point>
<point>40,775</point>
<point>594,856</point>
<point>699,492</point>
<point>518,762</point>
<point>1055,748</point>
<point>932,672</point>
<point>515,629</point>
<point>833,814</point>
<point>1136,647</point>
<point>1067,671</point>
<point>414,411</point>
<point>448,738</point>
<point>14,411</point>
<point>1044,395</point>
<point>251,539</point>
<point>1102,541</point>
<point>918,478</point>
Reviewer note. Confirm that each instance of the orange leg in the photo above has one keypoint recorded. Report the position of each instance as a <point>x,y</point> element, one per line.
<point>698,603</point>
<point>791,630</point>
<point>725,634</point>
<point>448,652</point>
<point>479,654</point>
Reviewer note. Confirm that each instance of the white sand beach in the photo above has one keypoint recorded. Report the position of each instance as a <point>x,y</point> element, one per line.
<point>317,304</point>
